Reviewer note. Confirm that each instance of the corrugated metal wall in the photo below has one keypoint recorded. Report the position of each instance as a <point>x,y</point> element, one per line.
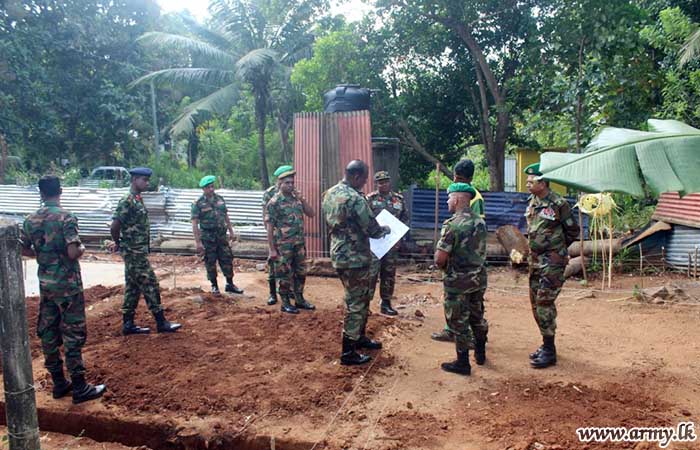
<point>510,175</point>
<point>324,143</point>
<point>683,211</point>
<point>682,244</point>
<point>502,208</point>
<point>385,155</point>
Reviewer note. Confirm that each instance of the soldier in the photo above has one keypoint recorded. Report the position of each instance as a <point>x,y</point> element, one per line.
<point>284,220</point>
<point>350,224</point>
<point>551,229</point>
<point>461,253</point>
<point>385,269</point>
<point>51,235</point>
<point>209,224</point>
<point>131,234</point>
<point>463,173</point>
<point>267,195</point>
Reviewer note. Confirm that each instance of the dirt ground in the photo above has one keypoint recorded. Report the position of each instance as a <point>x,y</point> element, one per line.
<point>242,375</point>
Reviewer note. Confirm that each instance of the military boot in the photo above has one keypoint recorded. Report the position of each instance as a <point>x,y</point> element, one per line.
<point>443,335</point>
<point>130,328</point>
<point>461,366</point>
<point>232,288</point>
<point>480,351</point>
<point>537,352</point>
<point>163,326</point>
<point>548,355</point>
<point>61,386</point>
<point>302,303</point>
<point>350,356</point>
<point>272,299</point>
<point>215,288</point>
<point>386,308</point>
<point>287,306</point>
<point>83,392</point>
<point>365,342</point>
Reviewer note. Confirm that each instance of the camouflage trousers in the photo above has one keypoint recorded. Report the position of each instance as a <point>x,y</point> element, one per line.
<point>139,279</point>
<point>218,250</point>
<point>62,322</point>
<point>545,285</point>
<point>290,268</point>
<point>356,285</point>
<point>464,313</point>
<point>385,270</point>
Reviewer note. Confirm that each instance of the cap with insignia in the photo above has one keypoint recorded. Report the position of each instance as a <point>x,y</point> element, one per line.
<point>533,169</point>
<point>284,171</point>
<point>382,175</point>
<point>461,187</point>
<point>206,181</point>
<point>141,172</point>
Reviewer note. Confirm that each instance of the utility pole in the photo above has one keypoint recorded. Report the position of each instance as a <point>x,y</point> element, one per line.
<point>20,402</point>
<point>156,138</point>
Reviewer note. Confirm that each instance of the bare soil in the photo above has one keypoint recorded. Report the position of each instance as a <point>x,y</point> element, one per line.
<point>240,373</point>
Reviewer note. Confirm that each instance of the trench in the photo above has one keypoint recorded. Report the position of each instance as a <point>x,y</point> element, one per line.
<point>151,434</point>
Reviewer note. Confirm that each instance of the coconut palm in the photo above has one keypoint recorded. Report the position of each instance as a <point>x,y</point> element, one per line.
<point>691,48</point>
<point>247,43</point>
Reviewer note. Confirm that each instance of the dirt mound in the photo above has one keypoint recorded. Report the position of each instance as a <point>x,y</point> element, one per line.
<point>521,413</point>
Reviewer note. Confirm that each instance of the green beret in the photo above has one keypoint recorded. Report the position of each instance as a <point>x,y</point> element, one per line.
<point>533,169</point>
<point>206,181</point>
<point>284,171</point>
<point>382,175</point>
<point>461,187</point>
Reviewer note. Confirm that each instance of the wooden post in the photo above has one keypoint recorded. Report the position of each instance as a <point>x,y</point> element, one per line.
<point>695,264</point>
<point>437,204</point>
<point>610,255</point>
<point>690,261</point>
<point>20,403</point>
<point>663,259</point>
<point>580,223</point>
<point>641,267</point>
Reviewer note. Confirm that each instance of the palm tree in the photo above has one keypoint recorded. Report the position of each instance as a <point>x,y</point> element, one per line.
<point>247,43</point>
<point>691,48</point>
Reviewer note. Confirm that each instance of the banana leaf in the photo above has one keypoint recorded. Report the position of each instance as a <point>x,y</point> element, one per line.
<point>664,159</point>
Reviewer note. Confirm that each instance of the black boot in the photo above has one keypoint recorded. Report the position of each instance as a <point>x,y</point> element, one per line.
<point>365,342</point>
<point>272,299</point>
<point>287,305</point>
<point>537,352</point>
<point>480,351</point>
<point>130,328</point>
<point>61,386</point>
<point>386,308</point>
<point>302,303</point>
<point>163,326</point>
<point>82,391</point>
<point>215,288</point>
<point>232,288</point>
<point>461,366</point>
<point>350,356</point>
<point>548,355</point>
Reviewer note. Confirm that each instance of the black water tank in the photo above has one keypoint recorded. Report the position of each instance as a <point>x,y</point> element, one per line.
<point>346,97</point>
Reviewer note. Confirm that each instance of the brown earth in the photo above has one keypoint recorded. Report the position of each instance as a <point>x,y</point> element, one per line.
<point>240,373</point>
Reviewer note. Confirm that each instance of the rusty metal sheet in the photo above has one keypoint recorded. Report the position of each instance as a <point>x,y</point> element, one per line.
<point>682,211</point>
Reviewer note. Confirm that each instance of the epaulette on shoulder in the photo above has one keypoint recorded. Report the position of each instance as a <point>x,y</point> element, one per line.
<point>398,195</point>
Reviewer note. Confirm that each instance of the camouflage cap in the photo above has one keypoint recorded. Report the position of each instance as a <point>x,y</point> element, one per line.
<point>533,169</point>
<point>461,187</point>
<point>206,181</point>
<point>382,175</point>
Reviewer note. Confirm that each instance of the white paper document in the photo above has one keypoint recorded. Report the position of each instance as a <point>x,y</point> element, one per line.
<point>380,247</point>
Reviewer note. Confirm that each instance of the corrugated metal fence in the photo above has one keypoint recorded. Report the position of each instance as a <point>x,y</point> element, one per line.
<point>168,210</point>
<point>682,247</point>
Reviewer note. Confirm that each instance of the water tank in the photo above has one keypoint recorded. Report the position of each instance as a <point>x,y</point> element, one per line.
<point>346,97</point>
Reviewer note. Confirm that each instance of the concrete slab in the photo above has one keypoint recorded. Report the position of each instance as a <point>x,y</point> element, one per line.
<point>94,273</point>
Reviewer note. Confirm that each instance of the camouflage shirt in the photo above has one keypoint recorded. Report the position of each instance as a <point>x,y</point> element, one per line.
<point>463,238</point>
<point>211,214</point>
<point>135,229</point>
<point>49,232</point>
<point>392,202</point>
<point>350,225</point>
<point>267,196</point>
<point>286,215</point>
<point>551,229</point>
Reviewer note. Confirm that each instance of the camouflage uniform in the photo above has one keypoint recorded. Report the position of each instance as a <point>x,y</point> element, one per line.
<point>267,196</point>
<point>62,307</point>
<point>385,269</point>
<point>135,244</point>
<point>350,224</point>
<point>551,228</point>
<point>463,238</point>
<point>211,212</point>
<point>286,215</point>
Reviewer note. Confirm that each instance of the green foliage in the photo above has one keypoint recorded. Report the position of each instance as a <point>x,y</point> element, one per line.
<point>632,214</point>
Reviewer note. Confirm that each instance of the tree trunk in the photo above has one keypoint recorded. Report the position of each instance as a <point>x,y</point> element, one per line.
<point>412,142</point>
<point>3,158</point>
<point>283,126</point>
<point>264,176</point>
<point>192,149</point>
